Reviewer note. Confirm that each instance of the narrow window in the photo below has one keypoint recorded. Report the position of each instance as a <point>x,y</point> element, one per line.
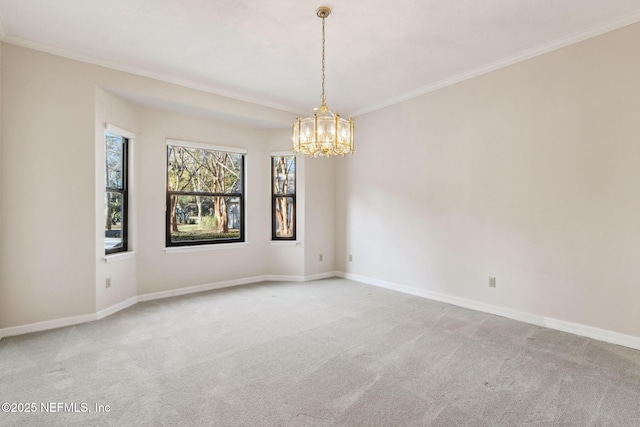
<point>116,198</point>
<point>283,198</point>
<point>205,195</point>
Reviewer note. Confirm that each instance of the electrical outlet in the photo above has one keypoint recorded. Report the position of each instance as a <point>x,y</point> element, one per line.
<point>107,282</point>
<point>320,257</point>
<point>492,282</point>
<point>350,257</point>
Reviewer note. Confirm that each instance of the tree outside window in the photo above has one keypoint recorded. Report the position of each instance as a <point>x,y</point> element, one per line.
<point>205,196</point>
<point>283,200</point>
<point>115,209</point>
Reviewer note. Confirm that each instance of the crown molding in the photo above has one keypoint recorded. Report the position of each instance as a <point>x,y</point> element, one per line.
<point>574,38</point>
<point>65,53</point>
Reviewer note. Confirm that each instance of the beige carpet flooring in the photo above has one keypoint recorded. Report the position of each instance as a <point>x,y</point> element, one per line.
<point>326,353</point>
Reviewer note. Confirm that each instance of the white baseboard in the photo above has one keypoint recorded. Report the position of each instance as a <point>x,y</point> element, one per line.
<point>534,319</point>
<point>75,320</point>
<point>230,283</point>
<point>46,325</point>
<point>321,276</point>
<point>561,325</point>
<point>283,278</point>
<point>200,288</point>
<point>116,308</point>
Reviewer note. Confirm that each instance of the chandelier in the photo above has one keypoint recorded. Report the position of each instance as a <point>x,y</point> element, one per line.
<point>323,134</point>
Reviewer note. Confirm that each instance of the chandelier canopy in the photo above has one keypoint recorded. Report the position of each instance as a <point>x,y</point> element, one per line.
<point>323,133</point>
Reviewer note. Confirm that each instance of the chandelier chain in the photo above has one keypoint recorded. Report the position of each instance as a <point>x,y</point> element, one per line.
<point>323,97</point>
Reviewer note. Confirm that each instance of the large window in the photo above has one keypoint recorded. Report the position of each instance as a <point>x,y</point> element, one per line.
<point>205,194</point>
<point>283,197</point>
<point>116,199</point>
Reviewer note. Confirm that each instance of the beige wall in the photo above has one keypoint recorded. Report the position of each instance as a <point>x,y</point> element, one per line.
<point>529,174</point>
<point>320,204</point>
<point>48,267</point>
<point>52,180</point>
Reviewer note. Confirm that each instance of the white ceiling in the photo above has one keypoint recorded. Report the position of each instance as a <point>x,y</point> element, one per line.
<point>269,51</point>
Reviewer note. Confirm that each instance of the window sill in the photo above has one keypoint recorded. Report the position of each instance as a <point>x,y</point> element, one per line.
<point>205,248</point>
<point>119,256</point>
<point>285,243</point>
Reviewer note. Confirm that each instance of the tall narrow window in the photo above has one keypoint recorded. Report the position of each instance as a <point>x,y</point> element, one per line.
<point>283,197</point>
<point>205,194</point>
<point>116,199</point>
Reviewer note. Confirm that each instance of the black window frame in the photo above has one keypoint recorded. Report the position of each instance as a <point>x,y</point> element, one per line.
<point>123,190</point>
<point>240,195</point>
<point>275,196</point>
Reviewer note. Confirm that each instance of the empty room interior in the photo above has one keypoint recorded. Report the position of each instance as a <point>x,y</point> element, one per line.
<point>190,233</point>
